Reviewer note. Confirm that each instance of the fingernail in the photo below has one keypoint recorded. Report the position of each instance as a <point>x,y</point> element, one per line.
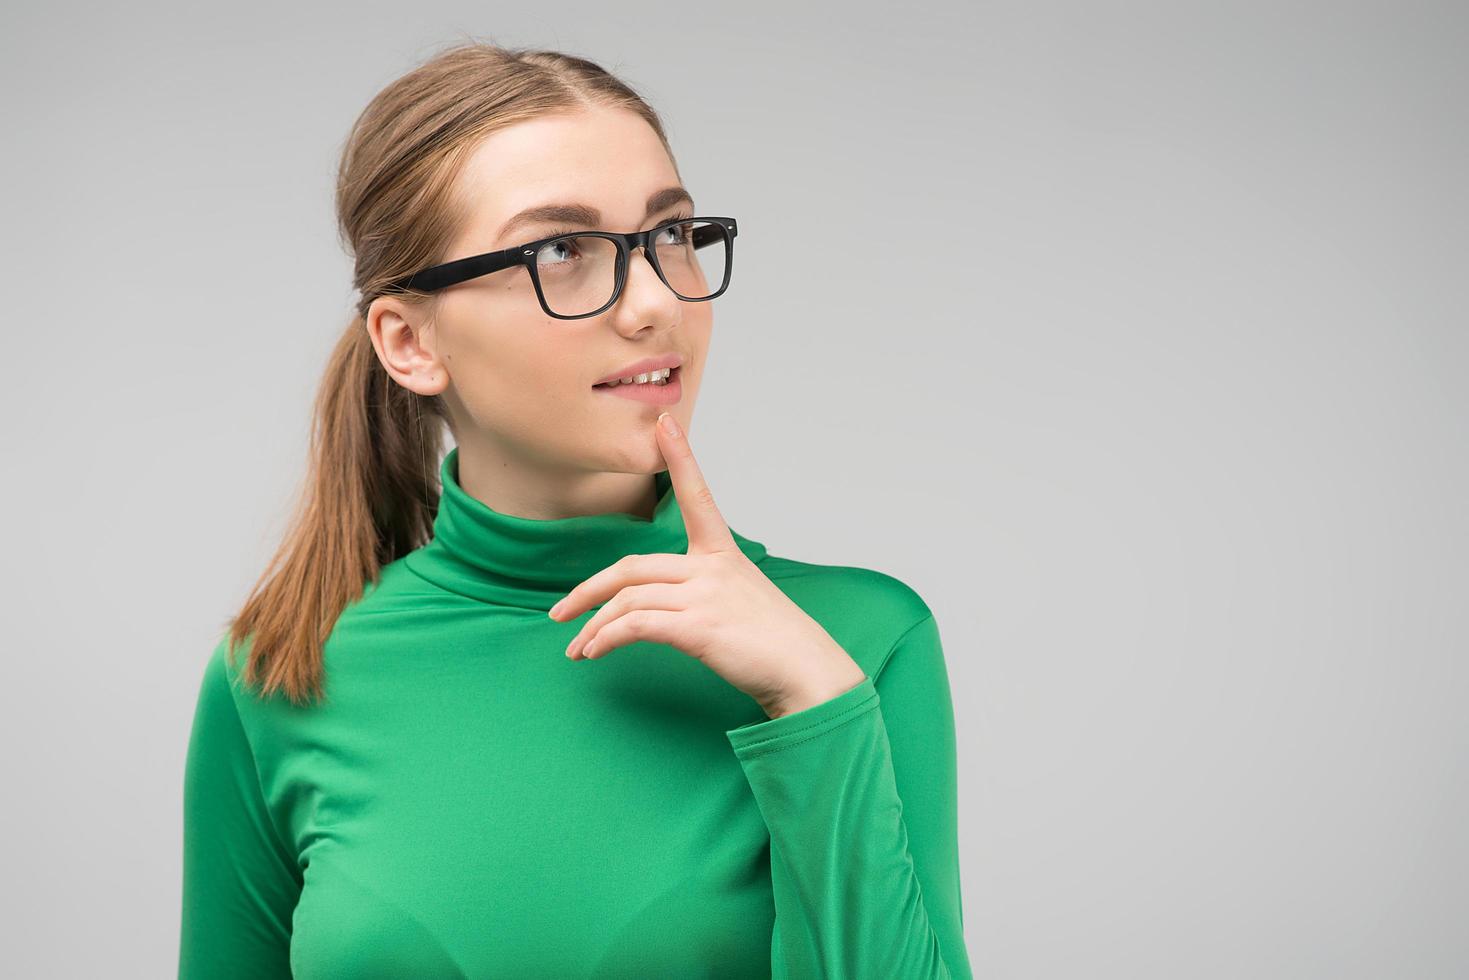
<point>669,425</point>
<point>553,610</point>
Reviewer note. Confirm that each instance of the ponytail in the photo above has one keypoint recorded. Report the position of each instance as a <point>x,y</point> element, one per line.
<point>370,497</point>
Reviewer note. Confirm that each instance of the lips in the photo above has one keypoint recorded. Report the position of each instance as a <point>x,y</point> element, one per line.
<point>669,393</point>
<point>673,375</point>
<point>644,366</point>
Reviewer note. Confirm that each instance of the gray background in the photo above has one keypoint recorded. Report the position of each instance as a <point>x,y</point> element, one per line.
<point>1131,335</point>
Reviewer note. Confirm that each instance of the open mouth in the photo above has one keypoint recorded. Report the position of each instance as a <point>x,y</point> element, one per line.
<point>673,375</point>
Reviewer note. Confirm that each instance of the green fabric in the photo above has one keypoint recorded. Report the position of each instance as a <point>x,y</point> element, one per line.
<point>470,803</point>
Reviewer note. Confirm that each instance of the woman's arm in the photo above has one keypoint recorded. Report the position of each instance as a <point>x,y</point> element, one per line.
<point>240,883</point>
<point>860,796</point>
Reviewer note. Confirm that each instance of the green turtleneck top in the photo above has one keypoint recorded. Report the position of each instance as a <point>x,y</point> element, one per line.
<point>469,802</point>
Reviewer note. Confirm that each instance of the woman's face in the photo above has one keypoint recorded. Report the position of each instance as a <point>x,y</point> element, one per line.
<point>518,383</point>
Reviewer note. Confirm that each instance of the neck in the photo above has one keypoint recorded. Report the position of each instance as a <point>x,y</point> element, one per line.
<point>522,488</point>
<point>513,559</point>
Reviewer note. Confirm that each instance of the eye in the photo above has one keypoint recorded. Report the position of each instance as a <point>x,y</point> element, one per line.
<point>676,234</point>
<point>552,252</point>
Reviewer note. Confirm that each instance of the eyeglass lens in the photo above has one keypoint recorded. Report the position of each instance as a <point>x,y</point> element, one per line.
<point>579,273</point>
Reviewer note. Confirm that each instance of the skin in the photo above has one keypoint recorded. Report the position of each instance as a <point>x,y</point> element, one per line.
<point>536,441</point>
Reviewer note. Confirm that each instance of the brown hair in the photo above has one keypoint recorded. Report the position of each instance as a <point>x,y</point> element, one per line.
<point>375,446</point>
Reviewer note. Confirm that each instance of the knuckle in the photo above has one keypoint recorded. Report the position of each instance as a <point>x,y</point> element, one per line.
<point>631,624</point>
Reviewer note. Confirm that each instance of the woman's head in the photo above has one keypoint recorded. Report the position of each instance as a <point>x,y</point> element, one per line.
<point>516,384</point>
<point>432,169</point>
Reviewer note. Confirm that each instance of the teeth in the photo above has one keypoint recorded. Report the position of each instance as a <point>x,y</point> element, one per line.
<point>650,377</point>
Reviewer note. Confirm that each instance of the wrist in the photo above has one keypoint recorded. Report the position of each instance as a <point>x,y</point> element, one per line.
<point>832,682</point>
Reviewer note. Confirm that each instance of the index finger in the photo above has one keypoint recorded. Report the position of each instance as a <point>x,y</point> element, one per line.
<point>706,526</point>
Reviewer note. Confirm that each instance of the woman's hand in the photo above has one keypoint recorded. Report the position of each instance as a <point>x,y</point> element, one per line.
<point>713,603</point>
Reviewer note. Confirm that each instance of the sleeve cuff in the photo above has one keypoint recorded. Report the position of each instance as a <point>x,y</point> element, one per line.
<point>773,734</point>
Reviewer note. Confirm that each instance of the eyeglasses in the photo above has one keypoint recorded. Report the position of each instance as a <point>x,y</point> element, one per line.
<point>582,273</point>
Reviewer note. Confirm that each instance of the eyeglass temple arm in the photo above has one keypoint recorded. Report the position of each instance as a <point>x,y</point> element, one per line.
<point>449,273</point>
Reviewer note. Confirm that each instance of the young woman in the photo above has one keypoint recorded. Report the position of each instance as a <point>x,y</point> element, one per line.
<point>532,709</point>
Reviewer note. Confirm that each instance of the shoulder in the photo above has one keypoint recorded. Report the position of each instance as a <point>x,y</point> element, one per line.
<point>218,729</point>
<point>866,610</point>
<point>222,698</point>
<point>879,592</point>
<point>220,672</point>
<point>226,698</point>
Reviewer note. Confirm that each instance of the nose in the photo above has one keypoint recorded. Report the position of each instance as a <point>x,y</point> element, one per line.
<point>645,296</point>
<point>652,269</point>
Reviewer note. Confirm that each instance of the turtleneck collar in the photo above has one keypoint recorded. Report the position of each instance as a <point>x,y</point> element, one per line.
<point>479,552</point>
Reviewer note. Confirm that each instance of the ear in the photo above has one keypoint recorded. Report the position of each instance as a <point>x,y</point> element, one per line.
<point>403,336</point>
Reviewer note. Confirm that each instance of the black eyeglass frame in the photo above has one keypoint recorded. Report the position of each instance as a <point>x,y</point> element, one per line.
<point>461,270</point>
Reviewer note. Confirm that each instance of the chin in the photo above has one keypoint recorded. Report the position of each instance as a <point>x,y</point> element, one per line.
<point>632,453</point>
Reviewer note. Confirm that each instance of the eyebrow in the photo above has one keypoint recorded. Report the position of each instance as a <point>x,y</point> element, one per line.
<point>586,216</point>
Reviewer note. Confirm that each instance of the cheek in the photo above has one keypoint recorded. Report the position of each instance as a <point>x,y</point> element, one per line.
<point>531,389</point>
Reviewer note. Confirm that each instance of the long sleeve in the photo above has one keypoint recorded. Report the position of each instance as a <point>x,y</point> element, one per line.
<point>240,883</point>
<point>860,797</point>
